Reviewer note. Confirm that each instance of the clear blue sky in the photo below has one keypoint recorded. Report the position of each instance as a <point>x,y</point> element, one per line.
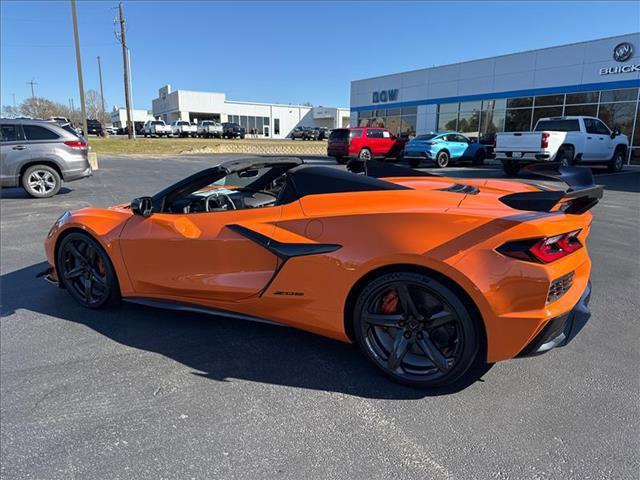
<point>289,52</point>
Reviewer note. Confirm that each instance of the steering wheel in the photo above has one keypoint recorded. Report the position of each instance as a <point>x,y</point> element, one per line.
<point>227,201</point>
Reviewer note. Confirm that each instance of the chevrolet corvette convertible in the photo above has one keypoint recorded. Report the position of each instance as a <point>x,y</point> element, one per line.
<point>428,275</point>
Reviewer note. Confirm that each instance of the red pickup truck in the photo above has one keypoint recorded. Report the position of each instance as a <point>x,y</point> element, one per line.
<point>364,143</point>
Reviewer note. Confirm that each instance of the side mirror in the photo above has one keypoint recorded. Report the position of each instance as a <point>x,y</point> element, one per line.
<point>142,206</point>
<point>615,133</point>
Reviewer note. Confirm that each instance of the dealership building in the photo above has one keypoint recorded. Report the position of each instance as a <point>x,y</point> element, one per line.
<point>271,120</point>
<point>599,78</point>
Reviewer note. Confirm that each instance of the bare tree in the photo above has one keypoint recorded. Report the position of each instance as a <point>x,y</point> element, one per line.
<point>94,106</point>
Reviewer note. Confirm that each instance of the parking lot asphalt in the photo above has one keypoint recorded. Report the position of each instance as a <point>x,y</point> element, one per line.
<point>136,393</point>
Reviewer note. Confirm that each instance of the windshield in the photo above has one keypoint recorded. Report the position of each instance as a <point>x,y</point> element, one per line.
<point>183,123</point>
<point>558,125</point>
<point>157,122</point>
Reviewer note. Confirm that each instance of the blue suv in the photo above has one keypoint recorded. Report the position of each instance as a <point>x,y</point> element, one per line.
<point>443,148</point>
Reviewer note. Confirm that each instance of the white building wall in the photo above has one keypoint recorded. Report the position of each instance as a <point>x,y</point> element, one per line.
<point>565,65</point>
<point>186,104</point>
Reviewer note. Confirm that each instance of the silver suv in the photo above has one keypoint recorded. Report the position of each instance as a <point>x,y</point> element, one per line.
<point>38,155</point>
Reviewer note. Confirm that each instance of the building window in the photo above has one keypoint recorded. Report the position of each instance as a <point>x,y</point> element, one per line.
<point>519,102</point>
<point>618,115</point>
<point>265,120</point>
<point>585,110</point>
<point>408,125</point>
<point>518,120</point>
<point>629,94</point>
<point>549,100</point>
<point>276,126</point>
<point>584,97</point>
<point>545,112</point>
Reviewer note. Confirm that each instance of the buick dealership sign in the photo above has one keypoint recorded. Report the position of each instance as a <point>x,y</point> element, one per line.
<point>621,53</point>
<point>384,96</point>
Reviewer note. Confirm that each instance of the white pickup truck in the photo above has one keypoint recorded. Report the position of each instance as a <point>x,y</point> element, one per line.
<point>209,128</point>
<point>567,140</point>
<point>182,128</point>
<point>157,128</point>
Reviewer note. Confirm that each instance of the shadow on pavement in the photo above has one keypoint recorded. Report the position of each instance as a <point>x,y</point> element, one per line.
<point>219,348</point>
<point>17,192</point>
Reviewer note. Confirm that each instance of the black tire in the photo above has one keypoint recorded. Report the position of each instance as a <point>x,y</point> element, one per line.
<point>565,158</point>
<point>365,155</point>
<point>479,157</point>
<point>86,271</point>
<point>341,160</point>
<point>442,159</point>
<point>416,330</point>
<point>145,134</point>
<point>510,167</point>
<point>41,181</point>
<point>616,164</point>
<point>414,162</point>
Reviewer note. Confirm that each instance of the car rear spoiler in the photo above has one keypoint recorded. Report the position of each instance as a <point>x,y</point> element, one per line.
<point>582,194</point>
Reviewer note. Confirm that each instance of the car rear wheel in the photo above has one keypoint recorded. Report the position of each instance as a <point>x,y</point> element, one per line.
<point>41,181</point>
<point>617,162</point>
<point>416,329</point>
<point>479,158</point>
<point>510,167</point>
<point>86,272</point>
<point>442,159</point>
<point>565,158</point>
<point>364,155</point>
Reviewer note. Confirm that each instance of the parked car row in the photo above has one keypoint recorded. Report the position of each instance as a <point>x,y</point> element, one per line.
<point>566,140</point>
<point>310,133</point>
<point>183,128</point>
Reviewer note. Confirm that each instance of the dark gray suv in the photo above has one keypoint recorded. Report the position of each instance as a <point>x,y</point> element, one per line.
<point>39,155</point>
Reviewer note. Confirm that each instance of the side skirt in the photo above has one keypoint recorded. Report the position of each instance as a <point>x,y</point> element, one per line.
<point>189,307</point>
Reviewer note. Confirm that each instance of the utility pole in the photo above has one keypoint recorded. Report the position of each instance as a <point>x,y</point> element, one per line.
<point>79,65</point>
<point>104,113</point>
<point>127,99</point>
<point>131,91</point>
<point>32,83</point>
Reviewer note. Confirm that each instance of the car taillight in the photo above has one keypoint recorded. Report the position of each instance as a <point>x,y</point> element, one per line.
<point>544,250</point>
<point>544,143</point>
<point>76,144</point>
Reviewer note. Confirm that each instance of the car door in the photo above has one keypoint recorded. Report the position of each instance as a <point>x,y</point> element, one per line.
<point>197,255</point>
<point>14,152</point>
<point>375,142</point>
<point>459,145</point>
<point>605,149</point>
<point>594,143</point>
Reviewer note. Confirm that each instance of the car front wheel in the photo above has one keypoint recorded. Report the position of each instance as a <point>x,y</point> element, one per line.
<point>86,272</point>
<point>617,162</point>
<point>416,329</point>
<point>41,181</point>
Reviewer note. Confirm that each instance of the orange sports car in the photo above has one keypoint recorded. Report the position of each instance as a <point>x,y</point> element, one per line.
<point>428,275</point>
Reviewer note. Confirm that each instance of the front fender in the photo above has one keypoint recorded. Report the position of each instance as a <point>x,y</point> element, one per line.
<point>104,225</point>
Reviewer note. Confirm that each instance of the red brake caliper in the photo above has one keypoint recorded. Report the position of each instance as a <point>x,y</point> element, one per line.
<point>390,302</point>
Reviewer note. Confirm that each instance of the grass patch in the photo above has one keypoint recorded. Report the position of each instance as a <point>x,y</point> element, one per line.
<point>167,146</point>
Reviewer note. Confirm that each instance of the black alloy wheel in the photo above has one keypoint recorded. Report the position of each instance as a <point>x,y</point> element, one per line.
<point>416,330</point>
<point>86,271</point>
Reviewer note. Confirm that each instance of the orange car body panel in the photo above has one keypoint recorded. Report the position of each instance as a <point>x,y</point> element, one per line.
<point>195,259</point>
